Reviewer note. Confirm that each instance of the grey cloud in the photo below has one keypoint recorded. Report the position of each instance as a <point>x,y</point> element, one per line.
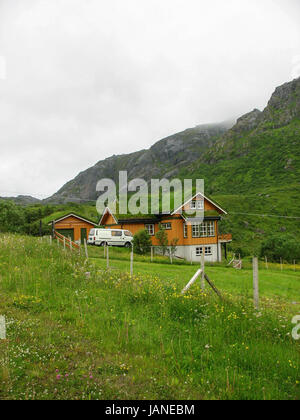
<point>86,80</point>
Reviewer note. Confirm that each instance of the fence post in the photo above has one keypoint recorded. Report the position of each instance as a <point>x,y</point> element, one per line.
<point>171,258</point>
<point>70,244</point>
<point>50,240</point>
<point>152,254</point>
<point>255,283</point>
<point>64,243</point>
<point>203,268</point>
<point>86,250</point>
<point>104,252</point>
<point>107,257</point>
<point>131,261</point>
<point>192,281</point>
<point>267,265</point>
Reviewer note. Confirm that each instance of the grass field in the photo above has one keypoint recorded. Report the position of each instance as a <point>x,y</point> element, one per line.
<point>78,331</point>
<point>274,283</point>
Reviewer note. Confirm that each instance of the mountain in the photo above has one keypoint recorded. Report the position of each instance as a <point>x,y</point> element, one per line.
<point>163,159</point>
<point>260,151</point>
<point>22,200</point>
<point>252,167</point>
<point>260,147</point>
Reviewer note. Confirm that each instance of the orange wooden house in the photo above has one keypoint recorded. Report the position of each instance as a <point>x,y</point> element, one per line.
<point>74,226</point>
<point>193,237</point>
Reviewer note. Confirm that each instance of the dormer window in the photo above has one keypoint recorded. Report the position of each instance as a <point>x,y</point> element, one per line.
<point>197,205</point>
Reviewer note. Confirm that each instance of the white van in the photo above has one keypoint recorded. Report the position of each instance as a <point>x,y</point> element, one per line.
<point>111,237</point>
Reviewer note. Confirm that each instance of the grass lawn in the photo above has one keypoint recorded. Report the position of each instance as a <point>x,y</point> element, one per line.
<point>274,283</point>
<point>78,331</point>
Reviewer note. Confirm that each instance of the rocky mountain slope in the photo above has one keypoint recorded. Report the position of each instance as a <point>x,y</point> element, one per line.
<point>254,152</point>
<point>163,159</point>
<point>261,150</point>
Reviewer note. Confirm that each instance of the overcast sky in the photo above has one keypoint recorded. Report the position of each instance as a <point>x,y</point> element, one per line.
<point>81,80</point>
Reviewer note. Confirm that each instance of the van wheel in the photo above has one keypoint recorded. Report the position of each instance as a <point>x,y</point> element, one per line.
<point>128,245</point>
<point>103,244</point>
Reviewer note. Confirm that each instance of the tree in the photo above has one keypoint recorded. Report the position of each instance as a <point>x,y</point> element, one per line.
<point>281,246</point>
<point>173,246</point>
<point>162,238</point>
<point>11,217</point>
<point>142,242</point>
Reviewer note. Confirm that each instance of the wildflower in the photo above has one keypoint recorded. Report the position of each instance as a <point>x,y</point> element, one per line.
<point>58,377</point>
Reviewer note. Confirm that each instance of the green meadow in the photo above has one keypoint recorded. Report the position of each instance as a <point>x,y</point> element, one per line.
<point>77,330</point>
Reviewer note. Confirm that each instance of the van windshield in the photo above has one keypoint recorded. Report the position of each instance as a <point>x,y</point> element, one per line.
<point>92,232</point>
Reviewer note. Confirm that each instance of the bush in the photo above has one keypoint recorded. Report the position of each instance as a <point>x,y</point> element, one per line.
<point>142,242</point>
<point>243,252</point>
<point>281,246</point>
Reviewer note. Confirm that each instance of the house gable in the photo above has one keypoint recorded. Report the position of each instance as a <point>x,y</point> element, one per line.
<point>73,218</point>
<point>209,205</point>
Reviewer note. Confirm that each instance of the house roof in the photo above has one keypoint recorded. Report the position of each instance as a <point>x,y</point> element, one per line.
<point>208,215</point>
<point>205,198</point>
<point>74,215</point>
<point>107,210</point>
<point>150,218</point>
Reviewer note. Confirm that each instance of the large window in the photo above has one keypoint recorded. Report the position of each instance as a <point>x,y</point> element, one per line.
<point>150,229</point>
<point>203,230</point>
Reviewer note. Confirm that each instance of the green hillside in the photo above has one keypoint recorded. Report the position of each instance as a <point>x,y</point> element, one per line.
<point>252,162</point>
<point>252,170</point>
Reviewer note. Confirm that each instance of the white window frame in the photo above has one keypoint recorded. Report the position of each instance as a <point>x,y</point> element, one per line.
<point>150,228</point>
<point>203,230</point>
<point>197,205</point>
<point>193,205</point>
<point>185,230</point>
<point>200,204</point>
<point>207,252</point>
<point>167,226</point>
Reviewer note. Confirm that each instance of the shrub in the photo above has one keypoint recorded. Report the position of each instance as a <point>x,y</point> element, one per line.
<point>142,242</point>
<point>281,246</point>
